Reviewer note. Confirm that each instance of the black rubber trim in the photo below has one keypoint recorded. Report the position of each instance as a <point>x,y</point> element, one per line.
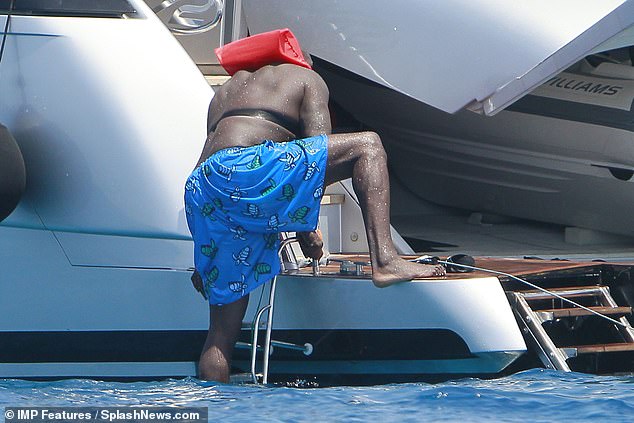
<point>158,346</point>
<point>378,344</point>
<point>573,111</point>
<point>12,173</point>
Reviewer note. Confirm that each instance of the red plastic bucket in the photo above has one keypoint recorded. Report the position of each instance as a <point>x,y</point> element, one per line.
<point>256,51</point>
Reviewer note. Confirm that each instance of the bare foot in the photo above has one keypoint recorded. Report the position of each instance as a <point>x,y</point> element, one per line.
<point>400,270</point>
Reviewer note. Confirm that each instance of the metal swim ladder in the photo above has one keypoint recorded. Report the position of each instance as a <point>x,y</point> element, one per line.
<point>533,319</point>
<point>287,265</point>
<point>536,309</point>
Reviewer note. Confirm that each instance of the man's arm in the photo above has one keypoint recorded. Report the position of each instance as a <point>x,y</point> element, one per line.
<point>314,116</point>
<point>197,281</point>
<point>312,244</point>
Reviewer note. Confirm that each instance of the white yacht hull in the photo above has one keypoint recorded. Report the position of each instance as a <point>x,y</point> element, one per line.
<point>111,322</point>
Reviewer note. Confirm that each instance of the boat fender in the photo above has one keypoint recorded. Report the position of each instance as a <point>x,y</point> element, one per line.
<point>256,51</point>
<point>12,173</point>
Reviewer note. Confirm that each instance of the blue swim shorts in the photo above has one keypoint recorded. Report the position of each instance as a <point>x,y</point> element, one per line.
<point>238,201</point>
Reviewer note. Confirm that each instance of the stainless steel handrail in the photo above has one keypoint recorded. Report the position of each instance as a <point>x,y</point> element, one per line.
<point>267,337</point>
<point>176,11</point>
<point>254,339</point>
<point>307,348</point>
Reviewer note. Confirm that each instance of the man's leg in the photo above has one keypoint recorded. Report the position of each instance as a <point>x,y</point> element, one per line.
<point>225,323</point>
<point>361,156</point>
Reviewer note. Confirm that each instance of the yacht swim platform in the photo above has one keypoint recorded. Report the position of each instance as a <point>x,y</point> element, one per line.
<point>347,331</point>
<point>513,266</point>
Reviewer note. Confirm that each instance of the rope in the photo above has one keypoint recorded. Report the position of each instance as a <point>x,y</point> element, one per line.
<point>6,29</point>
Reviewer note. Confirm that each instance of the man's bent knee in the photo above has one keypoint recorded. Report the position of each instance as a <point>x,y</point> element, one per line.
<point>372,145</point>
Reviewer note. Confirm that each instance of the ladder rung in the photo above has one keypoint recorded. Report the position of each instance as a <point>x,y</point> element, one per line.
<point>249,325</point>
<point>307,348</point>
<point>604,348</point>
<point>569,292</point>
<point>556,313</point>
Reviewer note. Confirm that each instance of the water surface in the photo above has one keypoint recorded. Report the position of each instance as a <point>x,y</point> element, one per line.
<point>531,396</point>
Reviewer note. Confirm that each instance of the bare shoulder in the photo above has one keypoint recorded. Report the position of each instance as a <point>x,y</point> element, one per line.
<point>317,81</point>
<point>314,85</point>
<point>308,76</point>
<point>314,114</point>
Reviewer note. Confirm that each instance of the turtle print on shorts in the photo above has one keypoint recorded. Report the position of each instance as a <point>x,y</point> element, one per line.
<point>238,201</point>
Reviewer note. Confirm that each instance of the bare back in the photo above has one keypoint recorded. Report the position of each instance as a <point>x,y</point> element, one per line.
<point>292,93</point>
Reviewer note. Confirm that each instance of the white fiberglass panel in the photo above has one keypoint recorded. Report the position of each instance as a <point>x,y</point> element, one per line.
<point>41,291</point>
<point>449,54</point>
<point>110,115</point>
<point>475,309</point>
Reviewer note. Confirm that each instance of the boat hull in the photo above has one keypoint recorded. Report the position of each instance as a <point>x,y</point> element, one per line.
<point>523,163</point>
<point>99,322</point>
<point>420,330</point>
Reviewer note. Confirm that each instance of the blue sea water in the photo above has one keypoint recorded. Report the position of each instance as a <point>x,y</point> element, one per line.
<point>531,396</point>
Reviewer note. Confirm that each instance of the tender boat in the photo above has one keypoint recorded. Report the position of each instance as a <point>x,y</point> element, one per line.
<point>562,154</point>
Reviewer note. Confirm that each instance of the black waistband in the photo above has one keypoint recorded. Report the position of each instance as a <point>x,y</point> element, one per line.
<point>271,116</point>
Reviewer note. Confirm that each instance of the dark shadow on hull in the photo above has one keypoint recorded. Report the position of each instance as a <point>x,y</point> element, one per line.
<point>12,173</point>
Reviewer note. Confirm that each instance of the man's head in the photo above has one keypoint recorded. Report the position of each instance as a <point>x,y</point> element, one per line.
<point>268,48</point>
